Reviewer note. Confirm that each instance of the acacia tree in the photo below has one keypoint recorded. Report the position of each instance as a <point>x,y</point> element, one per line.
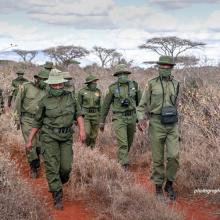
<point>65,55</point>
<point>171,46</point>
<point>187,60</point>
<point>183,60</point>
<point>26,55</point>
<point>105,55</point>
<point>109,57</point>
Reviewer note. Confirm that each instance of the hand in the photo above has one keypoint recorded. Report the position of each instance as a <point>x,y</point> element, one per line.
<point>82,136</point>
<point>141,124</point>
<point>28,146</point>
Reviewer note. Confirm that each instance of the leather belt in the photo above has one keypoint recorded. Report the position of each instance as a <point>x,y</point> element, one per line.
<point>63,130</point>
<point>91,110</point>
<point>126,113</point>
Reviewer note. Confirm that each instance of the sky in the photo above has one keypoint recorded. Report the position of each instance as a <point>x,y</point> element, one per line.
<point>119,24</point>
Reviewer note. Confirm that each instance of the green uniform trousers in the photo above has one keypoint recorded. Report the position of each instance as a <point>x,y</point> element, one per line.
<point>92,128</point>
<point>161,135</point>
<point>125,128</point>
<point>33,155</point>
<point>58,158</point>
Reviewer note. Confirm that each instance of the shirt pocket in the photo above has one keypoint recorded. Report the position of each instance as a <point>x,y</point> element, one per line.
<point>53,111</point>
<point>117,98</point>
<point>132,92</point>
<point>86,99</point>
<point>97,98</point>
<point>156,98</point>
<point>69,108</point>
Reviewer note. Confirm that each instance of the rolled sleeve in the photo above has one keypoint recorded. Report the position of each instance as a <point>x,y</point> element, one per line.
<point>106,106</point>
<point>38,119</point>
<point>143,104</point>
<point>78,110</point>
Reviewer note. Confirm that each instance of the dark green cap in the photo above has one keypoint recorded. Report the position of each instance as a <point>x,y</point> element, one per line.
<point>121,68</point>
<point>20,72</point>
<point>91,78</point>
<point>168,60</point>
<point>66,75</point>
<point>44,74</point>
<point>48,65</point>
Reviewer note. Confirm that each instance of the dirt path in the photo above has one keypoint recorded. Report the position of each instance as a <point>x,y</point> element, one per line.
<point>193,209</point>
<point>74,210</point>
<point>77,210</point>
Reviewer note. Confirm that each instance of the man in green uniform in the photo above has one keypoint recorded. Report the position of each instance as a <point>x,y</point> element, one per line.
<point>26,106</point>
<point>124,96</point>
<point>15,85</point>
<point>1,102</point>
<point>89,99</point>
<point>160,98</point>
<point>48,66</point>
<point>69,86</point>
<point>56,114</point>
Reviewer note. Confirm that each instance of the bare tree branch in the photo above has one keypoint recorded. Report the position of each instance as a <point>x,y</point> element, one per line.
<point>26,55</point>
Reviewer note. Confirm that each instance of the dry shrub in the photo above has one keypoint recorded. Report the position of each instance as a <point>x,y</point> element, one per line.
<point>18,201</point>
<point>111,191</point>
<point>102,180</point>
<point>200,129</point>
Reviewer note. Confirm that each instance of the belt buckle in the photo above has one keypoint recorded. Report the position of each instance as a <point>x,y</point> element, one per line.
<point>92,110</point>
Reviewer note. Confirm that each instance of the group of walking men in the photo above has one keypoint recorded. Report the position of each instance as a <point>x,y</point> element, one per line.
<point>47,108</point>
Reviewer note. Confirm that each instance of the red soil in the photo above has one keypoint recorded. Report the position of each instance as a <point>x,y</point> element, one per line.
<point>193,209</point>
<point>74,210</point>
<point>77,210</point>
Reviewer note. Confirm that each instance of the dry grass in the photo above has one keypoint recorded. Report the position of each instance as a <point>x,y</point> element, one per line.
<point>112,192</point>
<point>18,201</point>
<point>102,181</point>
<point>200,128</point>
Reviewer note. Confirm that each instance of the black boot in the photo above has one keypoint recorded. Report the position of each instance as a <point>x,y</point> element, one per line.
<point>169,189</point>
<point>34,165</point>
<point>57,196</point>
<point>159,191</point>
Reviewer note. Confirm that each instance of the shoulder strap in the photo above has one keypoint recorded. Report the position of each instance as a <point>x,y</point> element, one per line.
<point>133,83</point>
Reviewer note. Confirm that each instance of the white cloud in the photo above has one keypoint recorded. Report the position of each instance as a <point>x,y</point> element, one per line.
<point>175,4</point>
<point>16,31</point>
<point>89,23</point>
<point>94,14</point>
<point>213,22</point>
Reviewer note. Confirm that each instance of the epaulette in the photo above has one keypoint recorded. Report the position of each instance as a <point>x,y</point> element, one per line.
<point>113,84</point>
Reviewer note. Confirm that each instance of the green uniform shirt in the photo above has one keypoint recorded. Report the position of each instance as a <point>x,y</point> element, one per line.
<point>152,97</point>
<point>28,98</point>
<point>57,112</point>
<point>15,85</point>
<point>116,94</point>
<point>89,99</point>
<point>69,87</point>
